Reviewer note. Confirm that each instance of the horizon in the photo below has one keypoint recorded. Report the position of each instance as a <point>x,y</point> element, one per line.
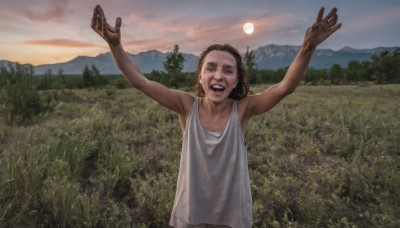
<point>166,52</point>
<point>50,32</point>
<point>357,51</point>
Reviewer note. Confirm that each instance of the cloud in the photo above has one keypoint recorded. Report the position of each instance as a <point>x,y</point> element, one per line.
<point>143,42</point>
<point>45,12</point>
<point>60,43</point>
<point>52,25</point>
<point>373,20</point>
<point>143,32</point>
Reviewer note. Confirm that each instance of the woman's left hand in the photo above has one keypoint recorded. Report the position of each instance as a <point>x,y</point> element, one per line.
<point>321,29</point>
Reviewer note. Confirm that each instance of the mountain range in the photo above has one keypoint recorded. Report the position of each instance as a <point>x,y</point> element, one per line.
<point>269,57</point>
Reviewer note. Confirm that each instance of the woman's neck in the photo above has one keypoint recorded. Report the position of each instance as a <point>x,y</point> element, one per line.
<point>214,108</point>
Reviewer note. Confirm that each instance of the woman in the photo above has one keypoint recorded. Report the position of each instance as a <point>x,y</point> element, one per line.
<point>213,184</point>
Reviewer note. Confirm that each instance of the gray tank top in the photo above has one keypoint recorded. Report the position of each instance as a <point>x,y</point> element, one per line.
<point>213,182</point>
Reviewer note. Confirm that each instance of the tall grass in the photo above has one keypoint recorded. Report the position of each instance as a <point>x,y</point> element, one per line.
<point>327,156</point>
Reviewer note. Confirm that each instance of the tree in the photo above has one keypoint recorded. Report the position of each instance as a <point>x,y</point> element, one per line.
<point>279,74</point>
<point>97,80</point>
<point>358,71</point>
<point>156,76</point>
<point>396,74</point>
<point>385,67</point>
<point>312,76</point>
<point>87,77</point>
<point>249,65</point>
<point>265,75</point>
<point>4,77</point>
<point>174,62</point>
<point>60,82</point>
<point>336,74</point>
<point>91,77</point>
<point>60,72</point>
<point>352,71</point>
<point>47,80</point>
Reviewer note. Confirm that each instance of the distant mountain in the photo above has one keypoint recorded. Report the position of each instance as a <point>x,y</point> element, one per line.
<point>276,56</point>
<point>267,57</point>
<point>6,63</point>
<point>146,61</point>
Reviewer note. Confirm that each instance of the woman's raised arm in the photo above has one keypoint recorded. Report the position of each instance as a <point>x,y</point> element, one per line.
<point>176,100</point>
<point>316,34</point>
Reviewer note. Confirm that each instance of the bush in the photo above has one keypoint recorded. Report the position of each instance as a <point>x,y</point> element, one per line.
<point>120,83</point>
<point>21,99</point>
<point>22,103</point>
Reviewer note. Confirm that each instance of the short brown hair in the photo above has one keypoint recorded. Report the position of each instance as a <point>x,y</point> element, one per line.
<point>242,88</point>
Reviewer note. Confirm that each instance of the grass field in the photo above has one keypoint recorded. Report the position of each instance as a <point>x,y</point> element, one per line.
<point>326,156</point>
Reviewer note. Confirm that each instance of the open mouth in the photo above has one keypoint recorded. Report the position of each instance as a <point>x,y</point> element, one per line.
<point>217,88</point>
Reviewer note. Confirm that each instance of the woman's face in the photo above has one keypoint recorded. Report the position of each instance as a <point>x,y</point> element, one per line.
<point>218,75</point>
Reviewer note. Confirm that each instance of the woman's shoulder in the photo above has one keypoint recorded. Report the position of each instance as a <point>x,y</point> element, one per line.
<point>243,107</point>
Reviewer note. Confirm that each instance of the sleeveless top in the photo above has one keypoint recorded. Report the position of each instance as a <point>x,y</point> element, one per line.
<point>213,182</point>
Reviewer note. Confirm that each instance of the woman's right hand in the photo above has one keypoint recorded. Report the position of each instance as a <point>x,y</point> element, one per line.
<point>112,35</point>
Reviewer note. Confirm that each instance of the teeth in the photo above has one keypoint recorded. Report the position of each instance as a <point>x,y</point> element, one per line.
<point>217,87</point>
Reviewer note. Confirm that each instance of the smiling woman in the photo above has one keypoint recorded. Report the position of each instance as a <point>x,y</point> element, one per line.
<point>213,186</point>
<point>248,28</point>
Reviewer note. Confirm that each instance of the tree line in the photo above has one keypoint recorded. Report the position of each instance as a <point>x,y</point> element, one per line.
<point>380,69</point>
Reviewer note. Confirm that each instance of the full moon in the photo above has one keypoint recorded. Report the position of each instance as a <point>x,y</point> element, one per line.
<point>248,28</point>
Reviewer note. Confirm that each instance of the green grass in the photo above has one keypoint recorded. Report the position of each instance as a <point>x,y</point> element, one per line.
<point>326,156</point>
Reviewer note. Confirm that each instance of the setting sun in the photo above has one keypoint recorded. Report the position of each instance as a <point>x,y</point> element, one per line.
<point>248,28</point>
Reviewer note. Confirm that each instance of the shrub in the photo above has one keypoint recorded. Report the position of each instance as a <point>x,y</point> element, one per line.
<point>21,99</point>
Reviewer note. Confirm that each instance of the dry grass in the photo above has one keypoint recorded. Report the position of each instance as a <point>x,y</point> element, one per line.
<point>326,156</point>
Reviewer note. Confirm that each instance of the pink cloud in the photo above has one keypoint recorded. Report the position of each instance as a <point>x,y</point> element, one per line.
<point>60,43</point>
<point>160,44</point>
<point>193,36</point>
<point>48,11</point>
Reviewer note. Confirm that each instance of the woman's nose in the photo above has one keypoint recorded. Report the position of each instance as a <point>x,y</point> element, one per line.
<point>218,75</point>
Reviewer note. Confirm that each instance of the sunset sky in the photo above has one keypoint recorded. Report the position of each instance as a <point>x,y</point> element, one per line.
<point>55,31</point>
